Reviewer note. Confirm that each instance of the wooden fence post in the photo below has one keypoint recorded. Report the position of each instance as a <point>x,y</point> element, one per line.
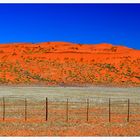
<point>67,110</point>
<point>46,109</point>
<point>128,113</point>
<point>25,109</point>
<point>3,108</point>
<point>87,110</point>
<point>109,110</point>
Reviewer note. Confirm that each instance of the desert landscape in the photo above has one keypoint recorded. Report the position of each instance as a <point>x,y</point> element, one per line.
<point>69,69</point>
<point>71,121</point>
<point>67,89</point>
<point>69,64</point>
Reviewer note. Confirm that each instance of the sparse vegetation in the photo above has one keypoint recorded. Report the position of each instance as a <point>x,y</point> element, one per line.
<point>37,64</point>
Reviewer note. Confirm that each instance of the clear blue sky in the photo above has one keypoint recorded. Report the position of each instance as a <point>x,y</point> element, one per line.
<point>118,24</point>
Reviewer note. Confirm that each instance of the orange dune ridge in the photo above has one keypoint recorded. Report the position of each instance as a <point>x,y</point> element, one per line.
<point>69,64</point>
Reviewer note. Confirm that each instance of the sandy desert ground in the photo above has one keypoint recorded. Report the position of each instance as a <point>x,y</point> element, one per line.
<point>77,125</point>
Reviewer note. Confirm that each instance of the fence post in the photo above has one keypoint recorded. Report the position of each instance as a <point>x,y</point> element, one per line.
<point>109,110</point>
<point>46,109</point>
<point>128,114</point>
<point>87,110</point>
<point>25,109</point>
<point>67,110</point>
<point>3,108</point>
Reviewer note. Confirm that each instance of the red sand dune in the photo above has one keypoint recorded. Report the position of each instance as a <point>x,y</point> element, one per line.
<point>62,63</point>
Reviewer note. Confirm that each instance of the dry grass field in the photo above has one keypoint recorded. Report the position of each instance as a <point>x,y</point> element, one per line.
<point>69,113</point>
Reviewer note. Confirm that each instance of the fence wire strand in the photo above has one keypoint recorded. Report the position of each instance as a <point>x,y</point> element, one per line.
<point>85,110</point>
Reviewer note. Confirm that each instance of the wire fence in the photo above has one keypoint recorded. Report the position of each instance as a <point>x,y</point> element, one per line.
<point>69,110</point>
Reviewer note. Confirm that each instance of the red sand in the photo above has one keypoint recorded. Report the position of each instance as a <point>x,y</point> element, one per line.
<point>61,63</point>
<point>95,127</point>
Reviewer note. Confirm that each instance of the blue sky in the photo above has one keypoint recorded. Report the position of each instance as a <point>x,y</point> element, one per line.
<point>118,24</point>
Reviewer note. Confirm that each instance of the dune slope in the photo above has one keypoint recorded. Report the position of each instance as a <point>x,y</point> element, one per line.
<point>62,63</point>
